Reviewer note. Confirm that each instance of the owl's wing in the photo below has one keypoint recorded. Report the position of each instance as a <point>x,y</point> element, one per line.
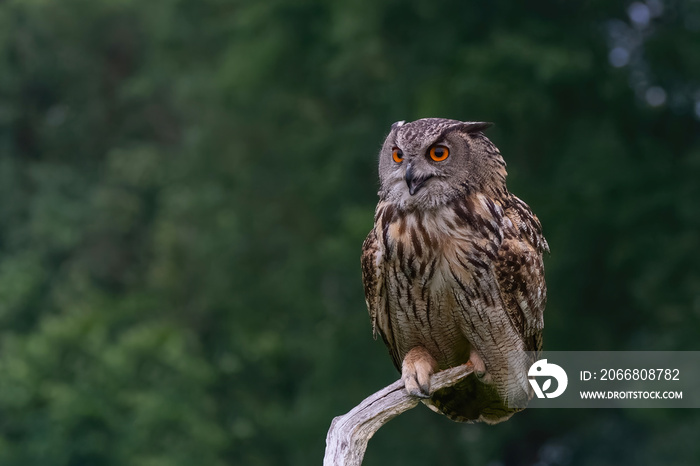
<point>520,271</point>
<point>375,293</point>
<point>500,290</point>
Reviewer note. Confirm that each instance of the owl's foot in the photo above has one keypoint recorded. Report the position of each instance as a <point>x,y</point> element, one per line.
<point>479,367</point>
<point>417,367</point>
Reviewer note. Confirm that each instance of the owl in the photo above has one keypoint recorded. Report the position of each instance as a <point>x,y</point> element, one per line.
<point>453,271</point>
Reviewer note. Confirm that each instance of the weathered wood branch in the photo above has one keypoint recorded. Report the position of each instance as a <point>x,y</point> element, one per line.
<point>347,438</point>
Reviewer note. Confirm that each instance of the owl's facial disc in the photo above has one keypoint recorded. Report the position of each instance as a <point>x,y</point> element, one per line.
<point>414,181</point>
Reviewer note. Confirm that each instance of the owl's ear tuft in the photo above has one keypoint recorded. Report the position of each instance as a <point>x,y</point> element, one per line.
<point>398,124</point>
<point>474,126</point>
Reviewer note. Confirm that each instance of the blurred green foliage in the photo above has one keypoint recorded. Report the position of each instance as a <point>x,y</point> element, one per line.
<point>186,186</point>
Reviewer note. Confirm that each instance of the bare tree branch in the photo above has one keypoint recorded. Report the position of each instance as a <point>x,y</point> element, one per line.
<point>348,435</point>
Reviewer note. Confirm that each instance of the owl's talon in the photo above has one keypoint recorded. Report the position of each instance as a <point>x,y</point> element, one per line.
<point>418,366</point>
<point>414,387</point>
<point>479,367</point>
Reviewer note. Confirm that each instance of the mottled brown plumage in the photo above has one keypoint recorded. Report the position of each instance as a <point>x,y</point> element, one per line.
<point>453,269</point>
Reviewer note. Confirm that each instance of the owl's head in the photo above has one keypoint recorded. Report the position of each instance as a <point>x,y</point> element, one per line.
<point>428,163</point>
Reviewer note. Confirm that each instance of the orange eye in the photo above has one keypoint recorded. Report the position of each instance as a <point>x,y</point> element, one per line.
<point>397,155</point>
<point>439,153</point>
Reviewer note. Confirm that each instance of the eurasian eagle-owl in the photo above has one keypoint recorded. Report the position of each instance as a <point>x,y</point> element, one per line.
<point>453,270</point>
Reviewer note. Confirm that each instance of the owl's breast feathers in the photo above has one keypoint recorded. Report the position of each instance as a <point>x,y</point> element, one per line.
<point>467,276</point>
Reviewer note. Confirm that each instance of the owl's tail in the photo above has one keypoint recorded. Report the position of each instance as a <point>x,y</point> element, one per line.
<point>471,400</point>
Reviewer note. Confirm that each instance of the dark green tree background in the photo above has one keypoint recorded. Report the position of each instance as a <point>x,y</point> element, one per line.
<point>186,185</point>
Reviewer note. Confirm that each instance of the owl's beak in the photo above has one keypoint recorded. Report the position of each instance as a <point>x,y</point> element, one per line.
<point>414,182</point>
